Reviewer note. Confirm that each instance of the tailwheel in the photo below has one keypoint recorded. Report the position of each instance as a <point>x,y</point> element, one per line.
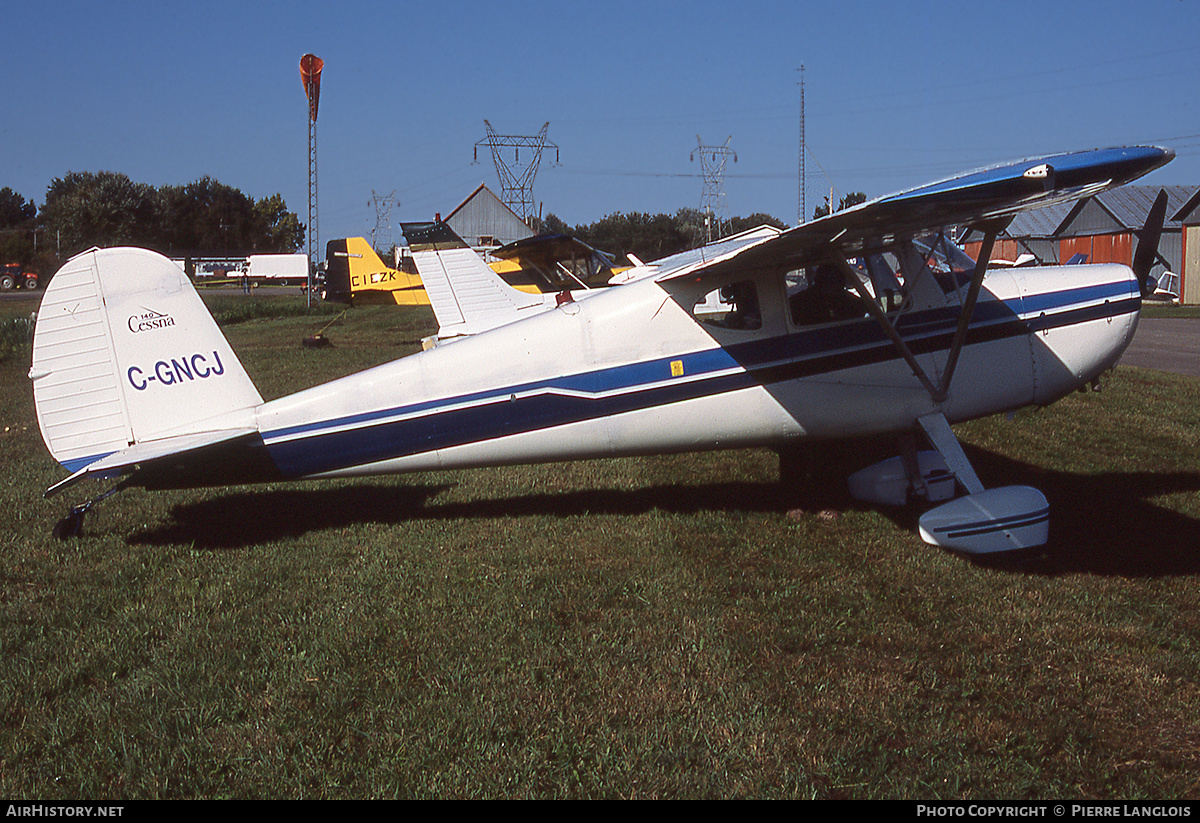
<point>72,525</point>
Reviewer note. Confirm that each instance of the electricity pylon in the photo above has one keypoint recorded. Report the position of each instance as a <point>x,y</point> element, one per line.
<point>381,235</point>
<point>712,164</point>
<point>516,178</point>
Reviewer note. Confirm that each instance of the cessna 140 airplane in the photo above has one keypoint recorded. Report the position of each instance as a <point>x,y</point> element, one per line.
<point>836,328</point>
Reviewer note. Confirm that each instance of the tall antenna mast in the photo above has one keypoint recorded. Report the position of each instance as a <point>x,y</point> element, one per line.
<point>802,209</point>
<point>516,178</point>
<point>310,76</point>
<point>712,164</point>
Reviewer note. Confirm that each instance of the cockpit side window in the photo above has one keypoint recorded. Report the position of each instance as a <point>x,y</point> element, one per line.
<point>735,306</point>
<point>819,295</point>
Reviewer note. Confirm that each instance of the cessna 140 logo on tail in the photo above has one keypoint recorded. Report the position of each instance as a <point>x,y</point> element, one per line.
<point>149,321</point>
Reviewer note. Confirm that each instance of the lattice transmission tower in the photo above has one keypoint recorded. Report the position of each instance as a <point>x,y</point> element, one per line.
<point>516,178</point>
<point>382,238</point>
<point>712,199</point>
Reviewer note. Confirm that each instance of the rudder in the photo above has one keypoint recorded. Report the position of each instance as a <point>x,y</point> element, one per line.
<point>124,352</point>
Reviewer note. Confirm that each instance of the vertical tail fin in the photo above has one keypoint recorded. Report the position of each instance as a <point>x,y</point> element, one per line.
<point>466,295</point>
<point>355,273</point>
<point>125,351</point>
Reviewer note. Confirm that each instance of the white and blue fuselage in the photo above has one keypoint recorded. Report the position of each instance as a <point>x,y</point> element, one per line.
<point>633,372</point>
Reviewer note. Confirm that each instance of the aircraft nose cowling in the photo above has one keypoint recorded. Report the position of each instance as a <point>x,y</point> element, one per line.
<point>1081,331</point>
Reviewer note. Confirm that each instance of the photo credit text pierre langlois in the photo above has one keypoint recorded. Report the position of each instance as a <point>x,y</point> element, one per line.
<point>1060,810</point>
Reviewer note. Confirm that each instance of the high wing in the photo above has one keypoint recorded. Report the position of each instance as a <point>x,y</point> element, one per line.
<point>551,263</point>
<point>686,260</point>
<point>991,195</point>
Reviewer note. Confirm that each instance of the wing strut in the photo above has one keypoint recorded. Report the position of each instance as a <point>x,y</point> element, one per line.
<point>968,307</point>
<point>889,329</point>
<point>938,430</point>
<point>938,393</point>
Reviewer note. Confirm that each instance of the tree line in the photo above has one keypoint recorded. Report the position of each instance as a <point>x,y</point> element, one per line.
<point>651,236</point>
<point>85,209</point>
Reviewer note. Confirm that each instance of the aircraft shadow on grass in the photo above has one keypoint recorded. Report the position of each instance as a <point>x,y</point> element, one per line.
<point>1125,534</point>
<point>1107,523</point>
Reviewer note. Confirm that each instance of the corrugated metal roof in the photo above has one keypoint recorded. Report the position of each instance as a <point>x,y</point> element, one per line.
<point>1119,209</point>
<point>1040,222</point>
<point>1129,205</point>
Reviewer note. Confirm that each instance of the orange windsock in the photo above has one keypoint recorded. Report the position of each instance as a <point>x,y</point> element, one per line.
<point>310,76</point>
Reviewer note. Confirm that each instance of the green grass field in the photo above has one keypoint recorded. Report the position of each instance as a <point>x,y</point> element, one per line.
<point>677,627</point>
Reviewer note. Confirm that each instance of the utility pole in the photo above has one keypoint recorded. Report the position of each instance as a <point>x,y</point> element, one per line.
<point>516,178</point>
<point>310,76</point>
<point>712,164</point>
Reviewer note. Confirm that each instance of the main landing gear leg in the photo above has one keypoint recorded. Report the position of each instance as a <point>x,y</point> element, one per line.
<point>72,525</point>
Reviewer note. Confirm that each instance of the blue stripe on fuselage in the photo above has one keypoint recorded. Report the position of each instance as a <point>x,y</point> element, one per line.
<point>328,445</point>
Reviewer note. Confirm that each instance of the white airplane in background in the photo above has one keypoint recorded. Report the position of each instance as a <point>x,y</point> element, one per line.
<point>133,380</point>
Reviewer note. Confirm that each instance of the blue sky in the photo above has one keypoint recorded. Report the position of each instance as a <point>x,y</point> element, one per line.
<point>897,94</point>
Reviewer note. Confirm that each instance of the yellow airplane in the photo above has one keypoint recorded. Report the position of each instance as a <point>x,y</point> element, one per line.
<point>538,265</point>
<point>355,273</point>
<point>553,263</point>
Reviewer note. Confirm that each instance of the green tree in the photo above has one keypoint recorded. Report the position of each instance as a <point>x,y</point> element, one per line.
<point>17,216</point>
<point>647,236</point>
<point>650,237</point>
<point>15,210</point>
<point>205,214</point>
<point>851,199</point>
<point>279,230</point>
<point>85,209</point>
<point>741,224</point>
<point>554,225</point>
<point>209,216</point>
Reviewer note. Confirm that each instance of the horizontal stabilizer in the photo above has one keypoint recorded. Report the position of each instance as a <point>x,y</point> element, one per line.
<point>139,454</point>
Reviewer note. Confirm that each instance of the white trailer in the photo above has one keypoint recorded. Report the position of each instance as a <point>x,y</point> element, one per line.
<point>291,269</point>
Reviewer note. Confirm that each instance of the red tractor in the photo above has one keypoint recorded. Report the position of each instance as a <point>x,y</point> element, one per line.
<point>11,277</point>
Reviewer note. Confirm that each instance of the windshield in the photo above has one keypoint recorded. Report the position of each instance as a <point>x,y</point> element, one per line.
<point>943,256</point>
